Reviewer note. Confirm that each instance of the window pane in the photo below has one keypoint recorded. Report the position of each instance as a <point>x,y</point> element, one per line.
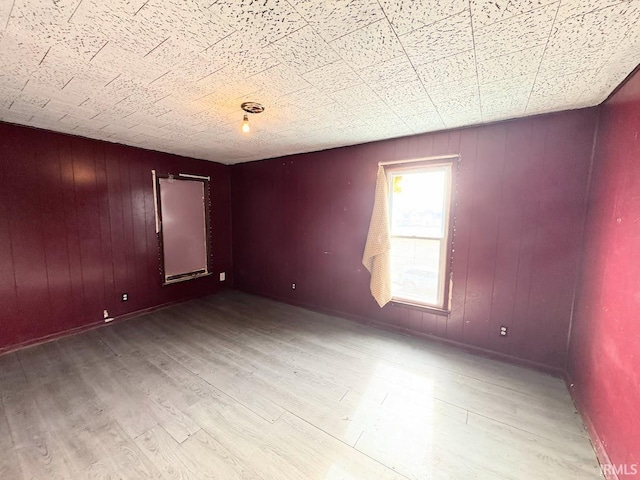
<point>418,203</point>
<point>415,265</point>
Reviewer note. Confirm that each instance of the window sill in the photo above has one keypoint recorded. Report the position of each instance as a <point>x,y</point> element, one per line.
<point>185,277</point>
<point>396,302</point>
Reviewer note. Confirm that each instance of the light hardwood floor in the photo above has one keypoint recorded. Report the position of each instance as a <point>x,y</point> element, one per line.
<point>239,387</point>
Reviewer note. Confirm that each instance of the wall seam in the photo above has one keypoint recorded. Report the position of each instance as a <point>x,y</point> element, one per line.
<point>582,248</point>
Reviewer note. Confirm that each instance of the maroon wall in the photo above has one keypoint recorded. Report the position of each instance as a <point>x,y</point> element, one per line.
<point>77,230</point>
<point>521,200</point>
<point>604,354</point>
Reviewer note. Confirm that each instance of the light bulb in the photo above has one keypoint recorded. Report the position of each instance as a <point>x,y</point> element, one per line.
<point>245,124</point>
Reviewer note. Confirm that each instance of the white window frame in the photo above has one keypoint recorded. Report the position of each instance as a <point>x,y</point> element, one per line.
<point>443,303</point>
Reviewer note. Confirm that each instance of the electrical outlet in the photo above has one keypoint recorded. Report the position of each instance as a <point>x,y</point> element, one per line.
<point>293,286</point>
<point>223,276</point>
<point>503,331</point>
<point>125,297</point>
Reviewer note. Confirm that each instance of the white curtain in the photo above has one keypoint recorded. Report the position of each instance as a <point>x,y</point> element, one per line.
<point>377,251</point>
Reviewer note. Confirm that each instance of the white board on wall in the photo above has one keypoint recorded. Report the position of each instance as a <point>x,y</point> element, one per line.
<point>182,214</point>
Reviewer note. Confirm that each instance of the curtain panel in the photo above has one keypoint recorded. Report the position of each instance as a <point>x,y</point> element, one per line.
<point>377,251</point>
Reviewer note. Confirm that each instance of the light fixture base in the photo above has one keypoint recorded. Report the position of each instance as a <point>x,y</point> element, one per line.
<point>252,107</point>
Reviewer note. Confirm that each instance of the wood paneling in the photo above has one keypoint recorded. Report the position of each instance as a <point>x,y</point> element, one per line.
<point>77,230</point>
<point>604,354</point>
<point>519,213</point>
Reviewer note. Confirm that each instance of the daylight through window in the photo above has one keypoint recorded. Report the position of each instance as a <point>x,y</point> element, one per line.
<point>420,205</point>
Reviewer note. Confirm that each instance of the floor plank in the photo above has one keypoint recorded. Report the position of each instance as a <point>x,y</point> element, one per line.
<point>171,458</point>
<point>237,386</point>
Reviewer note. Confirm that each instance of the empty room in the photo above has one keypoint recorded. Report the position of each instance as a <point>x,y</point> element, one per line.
<point>315,240</point>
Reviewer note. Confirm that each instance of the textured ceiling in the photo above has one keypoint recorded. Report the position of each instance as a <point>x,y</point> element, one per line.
<point>170,75</point>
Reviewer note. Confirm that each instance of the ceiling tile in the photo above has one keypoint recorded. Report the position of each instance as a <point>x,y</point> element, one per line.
<point>332,77</point>
<point>510,65</point>
<point>303,50</point>
<point>466,118</point>
<point>182,85</point>
<point>16,117</point>
<point>235,53</point>
<point>549,92</point>
<point>64,72</point>
<point>188,23</point>
<point>506,98</point>
<point>457,109</point>
<point>424,105</point>
<point>7,96</point>
<point>19,59</point>
<point>356,97</point>
<point>424,122</point>
<point>409,15</point>
<point>466,87</point>
<point>542,104</point>
<point>307,97</point>
<point>174,51</point>
<point>277,81</point>
<point>5,11</point>
<point>389,74</point>
<point>369,45</point>
<point>341,18</point>
<point>577,8</point>
<point>515,33</point>
<point>576,60</point>
<point>448,69</point>
<point>48,21</point>
<point>48,91</point>
<point>486,12</point>
<point>439,40</point>
<point>392,130</point>
<point>517,87</point>
<point>457,105</point>
<point>504,107</point>
<point>263,21</point>
<point>32,99</point>
<point>332,110</point>
<point>120,26</point>
<point>549,85</point>
<point>401,93</point>
<point>593,28</point>
<point>612,73</point>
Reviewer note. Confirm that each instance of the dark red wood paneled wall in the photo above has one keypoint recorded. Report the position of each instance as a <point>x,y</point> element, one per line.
<point>521,198</point>
<point>77,230</point>
<point>604,354</point>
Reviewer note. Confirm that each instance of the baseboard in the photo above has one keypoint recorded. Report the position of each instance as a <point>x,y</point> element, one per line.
<point>51,337</point>
<point>480,351</point>
<point>492,354</point>
<point>598,445</point>
<point>92,326</point>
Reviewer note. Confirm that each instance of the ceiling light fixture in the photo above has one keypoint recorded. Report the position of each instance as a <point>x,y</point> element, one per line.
<point>249,107</point>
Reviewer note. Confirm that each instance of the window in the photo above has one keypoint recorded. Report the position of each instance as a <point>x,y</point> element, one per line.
<point>182,206</point>
<point>420,207</point>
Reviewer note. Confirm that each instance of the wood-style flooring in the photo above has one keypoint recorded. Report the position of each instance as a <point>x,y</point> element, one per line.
<point>239,387</point>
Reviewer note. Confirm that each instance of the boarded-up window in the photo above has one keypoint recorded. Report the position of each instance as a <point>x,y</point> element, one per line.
<point>182,225</point>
